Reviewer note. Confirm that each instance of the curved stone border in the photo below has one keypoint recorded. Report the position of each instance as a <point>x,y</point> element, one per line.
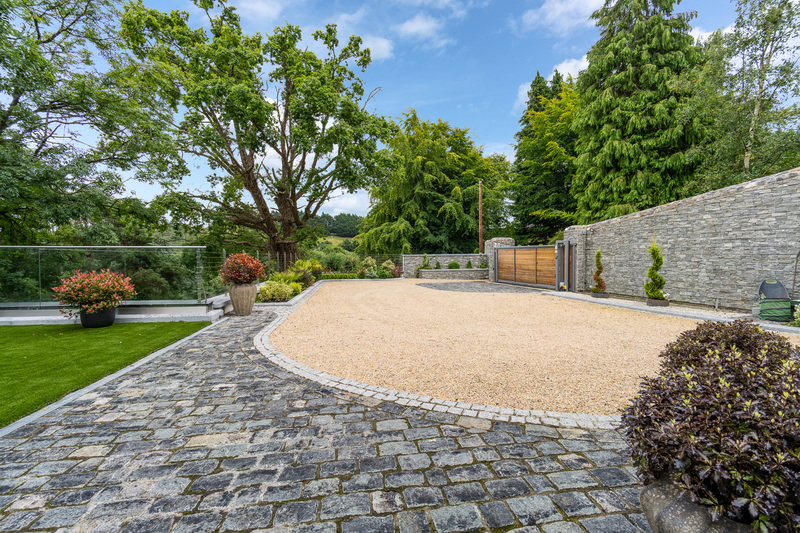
<point>460,409</point>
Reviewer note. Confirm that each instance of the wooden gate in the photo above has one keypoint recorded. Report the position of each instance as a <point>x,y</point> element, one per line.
<point>538,266</point>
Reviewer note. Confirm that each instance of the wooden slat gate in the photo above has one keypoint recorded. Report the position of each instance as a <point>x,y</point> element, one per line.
<point>548,266</point>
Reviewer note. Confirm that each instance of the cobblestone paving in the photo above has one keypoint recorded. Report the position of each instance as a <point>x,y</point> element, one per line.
<point>212,437</point>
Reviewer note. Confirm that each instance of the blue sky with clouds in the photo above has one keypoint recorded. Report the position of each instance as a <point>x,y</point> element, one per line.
<point>469,62</point>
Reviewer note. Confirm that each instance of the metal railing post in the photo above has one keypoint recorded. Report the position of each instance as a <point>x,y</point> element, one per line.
<point>199,274</point>
<point>39,267</point>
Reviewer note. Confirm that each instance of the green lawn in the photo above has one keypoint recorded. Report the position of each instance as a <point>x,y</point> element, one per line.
<point>40,364</point>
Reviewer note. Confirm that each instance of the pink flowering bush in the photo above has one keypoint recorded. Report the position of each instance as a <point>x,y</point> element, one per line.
<point>241,268</point>
<point>92,292</point>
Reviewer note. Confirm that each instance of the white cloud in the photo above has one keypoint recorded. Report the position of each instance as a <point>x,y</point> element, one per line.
<point>458,8</point>
<point>379,47</point>
<point>421,27</point>
<point>522,98</point>
<point>560,16</point>
<point>356,204</point>
<point>266,10</point>
<point>506,149</point>
<point>571,67</point>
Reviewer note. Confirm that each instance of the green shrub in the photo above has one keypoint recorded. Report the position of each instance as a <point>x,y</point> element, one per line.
<point>274,291</point>
<point>284,277</point>
<point>304,278</point>
<point>383,274</point>
<point>333,260</point>
<point>362,274</point>
<point>386,267</point>
<point>351,263</point>
<point>397,272</point>
<point>469,264</point>
<point>369,264</point>
<point>453,265</point>
<point>721,420</point>
<point>653,287</point>
<point>599,283</point>
<point>339,275</point>
<point>484,264</point>
<point>796,321</point>
<point>426,263</point>
<point>297,287</point>
<point>438,265</point>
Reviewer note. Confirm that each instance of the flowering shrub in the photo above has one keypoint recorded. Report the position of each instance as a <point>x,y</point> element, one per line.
<point>92,292</point>
<point>241,268</point>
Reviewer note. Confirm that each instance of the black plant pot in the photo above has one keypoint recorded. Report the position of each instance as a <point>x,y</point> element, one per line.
<point>599,294</point>
<point>100,319</point>
<point>657,303</point>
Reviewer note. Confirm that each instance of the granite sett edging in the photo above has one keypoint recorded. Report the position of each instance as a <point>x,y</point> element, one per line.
<point>466,412</point>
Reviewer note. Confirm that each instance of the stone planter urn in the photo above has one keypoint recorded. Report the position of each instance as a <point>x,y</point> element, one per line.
<point>668,512</point>
<point>243,297</point>
<point>657,303</point>
<point>99,319</point>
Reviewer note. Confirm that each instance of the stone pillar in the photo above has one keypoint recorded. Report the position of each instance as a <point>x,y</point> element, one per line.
<point>489,248</point>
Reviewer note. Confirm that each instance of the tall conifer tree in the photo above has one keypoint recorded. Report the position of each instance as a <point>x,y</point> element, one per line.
<point>631,147</point>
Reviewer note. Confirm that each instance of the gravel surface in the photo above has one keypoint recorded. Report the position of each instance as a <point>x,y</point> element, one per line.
<point>481,343</point>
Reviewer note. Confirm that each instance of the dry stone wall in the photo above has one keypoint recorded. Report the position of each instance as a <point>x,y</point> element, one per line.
<point>455,273</point>
<point>717,246</point>
<point>413,261</point>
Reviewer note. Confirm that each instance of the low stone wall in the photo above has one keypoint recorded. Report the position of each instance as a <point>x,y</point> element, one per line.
<point>413,261</point>
<point>454,273</point>
<point>717,246</point>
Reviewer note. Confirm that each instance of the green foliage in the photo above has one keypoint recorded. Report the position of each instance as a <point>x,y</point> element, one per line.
<point>746,93</point>
<point>429,201</point>
<point>438,265</point>
<point>426,263</point>
<point>274,291</point>
<point>297,287</point>
<point>631,146</point>
<point>599,283</point>
<point>285,277</point>
<point>386,267</point>
<point>41,364</point>
<point>369,265</point>
<point>453,265</point>
<point>349,244</point>
<point>721,421</point>
<point>469,264</point>
<point>796,319</point>
<point>339,275</point>
<point>341,225</point>
<point>545,164</point>
<point>241,96</point>
<point>71,118</point>
<point>653,287</point>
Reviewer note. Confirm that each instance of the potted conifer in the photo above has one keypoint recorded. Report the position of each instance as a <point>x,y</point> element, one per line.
<point>653,288</point>
<point>599,289</point>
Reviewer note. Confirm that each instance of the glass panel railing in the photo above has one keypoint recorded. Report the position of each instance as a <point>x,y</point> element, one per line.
<point>159,273</point>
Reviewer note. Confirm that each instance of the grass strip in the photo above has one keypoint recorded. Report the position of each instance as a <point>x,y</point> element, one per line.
<point>40,364</point>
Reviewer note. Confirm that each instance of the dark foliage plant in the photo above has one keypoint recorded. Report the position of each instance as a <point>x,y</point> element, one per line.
<point>599,283</point>
<point>397,271</point>
<point>722,421</point>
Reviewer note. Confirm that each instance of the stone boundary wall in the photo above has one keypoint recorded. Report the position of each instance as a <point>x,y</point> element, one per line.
<point>717,246</point>
<point>412,261</point>
<point>455,273</point>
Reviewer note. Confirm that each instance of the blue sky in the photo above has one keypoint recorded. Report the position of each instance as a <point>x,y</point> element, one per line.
<point>468,62</point>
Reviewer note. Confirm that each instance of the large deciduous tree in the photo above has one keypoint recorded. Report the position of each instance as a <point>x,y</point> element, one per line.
<point>632,149</point>
<point>429,203</point>
<point>70,118</point>
<point>282,142</point>
<point>545,165</point>
<point>746,92</point>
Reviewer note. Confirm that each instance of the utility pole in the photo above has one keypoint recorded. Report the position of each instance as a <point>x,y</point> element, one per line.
<point>480,217</point>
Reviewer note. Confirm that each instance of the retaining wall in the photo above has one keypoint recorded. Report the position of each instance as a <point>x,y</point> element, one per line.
<point>455,273</point>
<point>717,246</point>
<point>413,261</point>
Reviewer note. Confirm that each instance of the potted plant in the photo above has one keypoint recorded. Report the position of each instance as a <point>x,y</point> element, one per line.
<point>653,288</point>
<point>241,270</point>
<point>96,295</point>
<point>599,289</point>
<point>715,435</point>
